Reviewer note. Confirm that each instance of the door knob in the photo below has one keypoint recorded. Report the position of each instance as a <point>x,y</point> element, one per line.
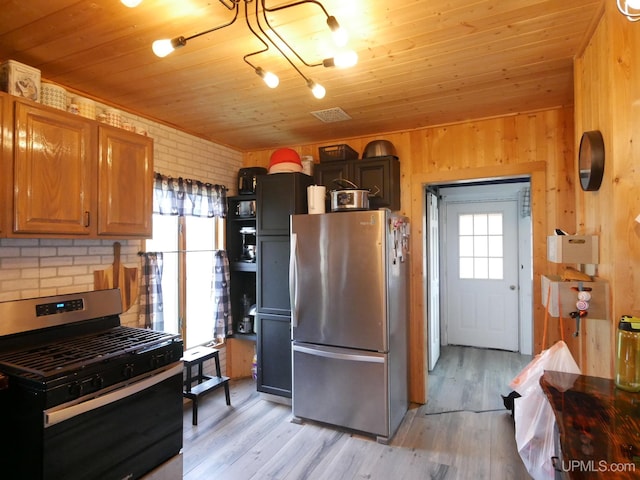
<point>512,287</point>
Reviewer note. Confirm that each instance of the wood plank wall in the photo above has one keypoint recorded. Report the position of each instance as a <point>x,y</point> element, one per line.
<point>607,97</point>
<point>539,144</point>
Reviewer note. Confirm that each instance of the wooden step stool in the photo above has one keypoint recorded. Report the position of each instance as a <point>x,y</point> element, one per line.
<point>197,356</point>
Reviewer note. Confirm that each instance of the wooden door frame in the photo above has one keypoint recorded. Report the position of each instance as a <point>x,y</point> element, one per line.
<point>417,331</point>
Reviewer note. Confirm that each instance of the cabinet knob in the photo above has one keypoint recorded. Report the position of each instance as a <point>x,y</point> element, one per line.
<point>87,219</point>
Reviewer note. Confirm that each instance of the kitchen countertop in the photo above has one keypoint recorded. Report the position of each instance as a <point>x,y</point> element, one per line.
<point>598,426</point>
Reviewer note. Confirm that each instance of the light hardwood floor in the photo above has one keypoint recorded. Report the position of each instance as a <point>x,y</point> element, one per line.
<point>463,432</point>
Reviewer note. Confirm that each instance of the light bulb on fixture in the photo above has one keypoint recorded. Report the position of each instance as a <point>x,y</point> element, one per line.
<point>164,47</point>
<point>317,89</point>
<point>630,9</point>
<point>340,35</point>
<point>345,59</point>
<point>271,79</point>
<point>259,28</point>
<point>131,3</point>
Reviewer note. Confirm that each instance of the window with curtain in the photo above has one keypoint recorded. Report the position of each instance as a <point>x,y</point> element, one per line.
<point>185,288</point>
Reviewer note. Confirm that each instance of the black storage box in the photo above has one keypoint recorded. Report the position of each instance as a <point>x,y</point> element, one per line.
<point>332,153</point>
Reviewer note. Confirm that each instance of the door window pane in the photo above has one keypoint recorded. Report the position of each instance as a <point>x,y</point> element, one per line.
<point>494,224</point>
<point>480,226</point>
<point>495,246</point>
<point>481,246</point>
<point>466,267</point>
<point>466,225</point>
<point>495,268</point>
<point>466,246</point>
<point>480,267</point>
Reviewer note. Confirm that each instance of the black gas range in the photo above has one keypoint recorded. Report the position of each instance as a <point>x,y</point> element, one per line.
<point>82,396</point>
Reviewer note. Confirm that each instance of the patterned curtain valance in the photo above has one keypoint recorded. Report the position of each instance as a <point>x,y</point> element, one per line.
<point>184,196</point>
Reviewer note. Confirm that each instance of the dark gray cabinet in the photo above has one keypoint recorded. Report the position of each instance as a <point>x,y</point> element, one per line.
<point>273,268</point>
<point>278,196</point>
<point>273,350</point>
<point>380,175</point>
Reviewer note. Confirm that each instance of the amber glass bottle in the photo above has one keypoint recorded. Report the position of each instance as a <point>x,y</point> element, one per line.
<point>627,376</point>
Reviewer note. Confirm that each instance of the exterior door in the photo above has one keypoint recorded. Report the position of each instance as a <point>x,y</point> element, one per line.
<point>482,274</point>
<point>433,281</point>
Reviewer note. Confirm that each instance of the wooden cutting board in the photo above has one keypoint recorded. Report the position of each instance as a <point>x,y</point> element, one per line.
<point>118,276</point>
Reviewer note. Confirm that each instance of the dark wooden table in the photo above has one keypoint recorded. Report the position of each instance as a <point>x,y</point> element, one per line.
<point>598,426</point>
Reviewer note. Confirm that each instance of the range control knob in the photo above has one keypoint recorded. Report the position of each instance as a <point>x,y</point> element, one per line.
<point>97,382</point>
<point>157,361</point>
<point>75,389</point>
<point>127,372</point>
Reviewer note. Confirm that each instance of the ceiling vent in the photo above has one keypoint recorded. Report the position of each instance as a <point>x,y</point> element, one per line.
<point>331,115</point>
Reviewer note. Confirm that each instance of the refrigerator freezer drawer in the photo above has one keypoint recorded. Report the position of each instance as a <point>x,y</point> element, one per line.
<point>343,387</point>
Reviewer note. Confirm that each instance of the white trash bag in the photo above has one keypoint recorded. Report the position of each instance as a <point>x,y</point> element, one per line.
<point>533,416</point>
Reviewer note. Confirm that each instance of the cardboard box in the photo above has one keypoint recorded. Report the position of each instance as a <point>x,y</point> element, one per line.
<point>20,80</point>
<point>564,295</point>
<point>572,249</point>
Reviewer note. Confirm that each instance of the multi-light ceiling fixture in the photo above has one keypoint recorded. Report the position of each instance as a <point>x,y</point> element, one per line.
<point>264,31</point>
<point>630,9</point>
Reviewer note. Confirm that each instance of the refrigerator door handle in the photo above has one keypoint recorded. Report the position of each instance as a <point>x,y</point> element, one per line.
<point>338,356</point>
<point>293,280</point>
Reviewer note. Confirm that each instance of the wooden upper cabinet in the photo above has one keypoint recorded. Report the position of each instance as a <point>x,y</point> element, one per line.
<point>52,172</point>
<point>73,177</point>
<point>125,183</point>
<point>6,163</point>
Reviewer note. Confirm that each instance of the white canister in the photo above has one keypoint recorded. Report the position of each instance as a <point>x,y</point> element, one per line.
<point>316,198</point>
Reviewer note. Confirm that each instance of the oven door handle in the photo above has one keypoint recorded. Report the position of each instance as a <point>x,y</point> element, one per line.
<point>65,412</point>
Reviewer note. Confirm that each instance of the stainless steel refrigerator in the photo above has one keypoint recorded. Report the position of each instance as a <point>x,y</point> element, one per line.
<point>349,304</point>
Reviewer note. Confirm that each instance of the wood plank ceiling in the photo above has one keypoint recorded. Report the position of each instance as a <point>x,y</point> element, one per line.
<point>421,62</point>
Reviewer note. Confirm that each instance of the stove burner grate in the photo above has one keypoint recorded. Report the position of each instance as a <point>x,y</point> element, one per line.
<point>52,359</point>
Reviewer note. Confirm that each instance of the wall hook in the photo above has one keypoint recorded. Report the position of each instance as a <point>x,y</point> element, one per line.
<point>576,316</point>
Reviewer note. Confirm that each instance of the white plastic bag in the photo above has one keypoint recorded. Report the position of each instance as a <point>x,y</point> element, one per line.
<point>533,415</point>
